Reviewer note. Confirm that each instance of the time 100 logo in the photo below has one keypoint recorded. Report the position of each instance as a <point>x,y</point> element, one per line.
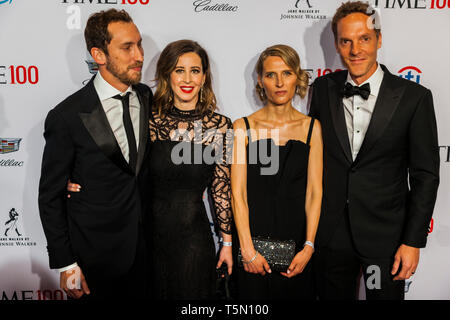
<point>440,4</point>
<point>143,2</point>
<point>19,75</point>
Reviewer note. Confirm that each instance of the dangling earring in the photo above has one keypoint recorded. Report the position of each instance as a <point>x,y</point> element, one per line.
<point>262,93</point>
<point>201,94</point>
<point>170,96</point>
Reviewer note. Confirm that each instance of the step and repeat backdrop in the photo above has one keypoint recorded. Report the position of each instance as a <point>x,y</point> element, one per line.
<point>43,59</point>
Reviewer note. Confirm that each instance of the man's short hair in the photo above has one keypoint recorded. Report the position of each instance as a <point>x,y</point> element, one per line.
<point>350,7</point>
<point>96,33</point>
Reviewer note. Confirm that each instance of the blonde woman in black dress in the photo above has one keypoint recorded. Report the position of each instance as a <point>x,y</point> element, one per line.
<point>282,205</point>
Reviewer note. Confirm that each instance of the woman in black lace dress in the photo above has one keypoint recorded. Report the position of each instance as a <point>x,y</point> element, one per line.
<point>278,196</point>
<point>189,148</point>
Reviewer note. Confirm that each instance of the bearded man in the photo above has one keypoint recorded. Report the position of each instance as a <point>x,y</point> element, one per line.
<point>98,138</point>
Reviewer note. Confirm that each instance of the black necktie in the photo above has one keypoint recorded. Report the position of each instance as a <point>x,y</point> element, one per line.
<point>132,149</point>
<point>363,91</point>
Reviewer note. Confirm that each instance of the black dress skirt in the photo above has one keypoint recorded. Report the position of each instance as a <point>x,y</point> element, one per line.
<point>182,164</point>
<point>276,205</point>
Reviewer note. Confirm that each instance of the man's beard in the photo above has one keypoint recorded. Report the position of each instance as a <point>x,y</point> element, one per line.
<point>123,76</point>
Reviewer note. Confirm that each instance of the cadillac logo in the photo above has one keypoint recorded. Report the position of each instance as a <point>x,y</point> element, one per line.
<point>8,145</point>
<point>93,66</point>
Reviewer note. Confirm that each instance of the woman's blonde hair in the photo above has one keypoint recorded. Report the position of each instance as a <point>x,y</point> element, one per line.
<point>163,98</point>
<point>291,58</point>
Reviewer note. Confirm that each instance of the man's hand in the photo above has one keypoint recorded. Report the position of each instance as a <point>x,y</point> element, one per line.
<point>73,283</point>
<point>408,257</point>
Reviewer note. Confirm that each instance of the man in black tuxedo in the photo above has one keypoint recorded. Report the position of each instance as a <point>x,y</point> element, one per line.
<point>381,167</point>
<point>98,138</point>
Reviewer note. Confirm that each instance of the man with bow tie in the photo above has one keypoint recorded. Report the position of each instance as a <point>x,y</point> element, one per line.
<point>381,167</point>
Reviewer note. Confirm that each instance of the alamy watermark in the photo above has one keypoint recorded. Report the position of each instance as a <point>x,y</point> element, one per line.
<point>373,281</point>
<point>374,19</point>
<point>213,146</point>
<point>74,279</point>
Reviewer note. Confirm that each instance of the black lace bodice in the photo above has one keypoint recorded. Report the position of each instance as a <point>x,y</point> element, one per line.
<point>213,132</point>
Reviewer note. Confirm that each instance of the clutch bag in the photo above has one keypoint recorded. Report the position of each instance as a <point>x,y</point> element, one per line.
<point>278,253</point>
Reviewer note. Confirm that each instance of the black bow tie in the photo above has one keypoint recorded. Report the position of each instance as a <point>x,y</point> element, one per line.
<point>363,91</point>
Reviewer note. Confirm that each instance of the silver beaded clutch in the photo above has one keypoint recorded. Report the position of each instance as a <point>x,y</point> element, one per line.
<point>278,253</point>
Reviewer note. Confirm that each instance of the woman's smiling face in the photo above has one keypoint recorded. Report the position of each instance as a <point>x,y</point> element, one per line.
<point>187,78</point>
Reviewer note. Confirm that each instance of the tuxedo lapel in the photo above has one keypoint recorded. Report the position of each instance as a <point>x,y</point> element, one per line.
<point>387,102</point>
<point>144,101</point>
<point>335,87</point>
<point>96,123</point>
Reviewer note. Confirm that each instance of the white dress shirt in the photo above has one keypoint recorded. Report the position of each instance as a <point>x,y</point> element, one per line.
<point>114,112</point>
<point>358,111</point>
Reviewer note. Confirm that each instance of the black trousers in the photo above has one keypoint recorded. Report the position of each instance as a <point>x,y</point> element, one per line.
<point>338,268</point>
<point>134,285</point>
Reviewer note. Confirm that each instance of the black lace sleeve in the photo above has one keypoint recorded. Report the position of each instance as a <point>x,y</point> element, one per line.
<point>221,186</point>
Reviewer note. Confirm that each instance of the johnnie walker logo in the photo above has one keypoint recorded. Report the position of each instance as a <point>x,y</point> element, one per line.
<point>303,10</point>
<point>12,235</point>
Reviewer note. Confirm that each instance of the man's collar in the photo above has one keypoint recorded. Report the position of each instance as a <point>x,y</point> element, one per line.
<point>374,80</point>
<point>105,90</point>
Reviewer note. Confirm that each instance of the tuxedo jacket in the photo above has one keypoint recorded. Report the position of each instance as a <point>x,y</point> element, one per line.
<point>389,190</point>
<point>98,226</point>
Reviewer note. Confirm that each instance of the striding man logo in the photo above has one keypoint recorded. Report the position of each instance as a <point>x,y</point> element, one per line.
<point>11,224</point>
<point>307,2</point>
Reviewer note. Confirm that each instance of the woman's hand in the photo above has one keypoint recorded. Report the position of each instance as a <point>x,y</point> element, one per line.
<point>259,265</point>
<point>72,187</point>
<point>299,262</point>
<point>227,257</point>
